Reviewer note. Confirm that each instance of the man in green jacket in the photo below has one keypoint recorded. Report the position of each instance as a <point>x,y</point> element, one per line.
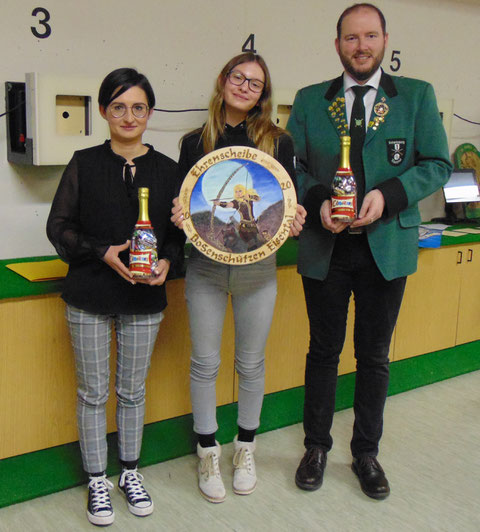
<point>404,158</point>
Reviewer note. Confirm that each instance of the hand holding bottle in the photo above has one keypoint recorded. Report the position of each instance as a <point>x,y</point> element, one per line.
<point>112,259</point>
<point>161,272</point>
<point>332,225</point>
<point>372,208</point>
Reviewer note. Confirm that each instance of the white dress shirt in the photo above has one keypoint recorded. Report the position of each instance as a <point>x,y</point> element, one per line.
<point>368,99</point>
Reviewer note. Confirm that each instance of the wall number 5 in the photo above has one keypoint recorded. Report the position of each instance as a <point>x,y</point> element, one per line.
<point>395,62</point>
<point>47,30</point>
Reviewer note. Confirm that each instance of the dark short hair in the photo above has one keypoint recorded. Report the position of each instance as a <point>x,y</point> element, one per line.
<point>125,78</point>
<point>355,7</point>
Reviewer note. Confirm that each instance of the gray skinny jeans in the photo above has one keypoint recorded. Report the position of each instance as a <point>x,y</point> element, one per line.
<point>253,288</point>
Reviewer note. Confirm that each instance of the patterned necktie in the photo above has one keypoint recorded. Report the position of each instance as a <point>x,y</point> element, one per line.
<point>357,135</point>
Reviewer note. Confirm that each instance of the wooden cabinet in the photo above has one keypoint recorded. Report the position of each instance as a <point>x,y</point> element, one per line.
<point>428,316</point>
<point>441,309</point>
<point>441,306</point>
<point>468,325</point>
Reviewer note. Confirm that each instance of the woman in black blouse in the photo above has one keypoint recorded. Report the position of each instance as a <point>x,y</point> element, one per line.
<point>91,220</point>
<point>239,114</point>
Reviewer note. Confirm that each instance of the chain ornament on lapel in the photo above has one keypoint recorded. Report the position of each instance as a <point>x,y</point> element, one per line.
<point>337,112</point>
<point>381,110</point>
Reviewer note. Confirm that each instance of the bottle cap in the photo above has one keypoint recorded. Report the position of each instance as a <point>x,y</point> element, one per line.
<point>143,192</point>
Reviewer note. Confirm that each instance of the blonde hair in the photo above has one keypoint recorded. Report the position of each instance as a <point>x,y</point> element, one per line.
<point>260,128</point>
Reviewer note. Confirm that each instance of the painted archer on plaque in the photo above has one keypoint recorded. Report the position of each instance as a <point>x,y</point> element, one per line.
<point>238,203</point>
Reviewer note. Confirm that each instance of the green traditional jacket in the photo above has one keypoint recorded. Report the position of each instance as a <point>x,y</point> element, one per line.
<point>405,156</point>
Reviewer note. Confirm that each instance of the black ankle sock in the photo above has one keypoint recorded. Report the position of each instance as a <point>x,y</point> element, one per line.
<point>96,474</point>
<point>206,440</point>
<point>131,464</point>
<point>246,435</point>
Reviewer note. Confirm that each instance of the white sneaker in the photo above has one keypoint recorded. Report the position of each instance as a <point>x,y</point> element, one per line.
<point>244,475</point>
<point>138,500</point>
<point>99,507</point>
<point>209,478</point>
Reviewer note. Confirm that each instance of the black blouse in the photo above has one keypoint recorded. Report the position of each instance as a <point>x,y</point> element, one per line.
<point>94,209</point>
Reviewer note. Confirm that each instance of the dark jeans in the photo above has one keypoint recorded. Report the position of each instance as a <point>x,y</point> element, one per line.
<point>377,303</point>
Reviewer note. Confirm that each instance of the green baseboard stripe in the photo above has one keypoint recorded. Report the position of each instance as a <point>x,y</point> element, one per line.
<point>48,471</point>
<point>434,367</point>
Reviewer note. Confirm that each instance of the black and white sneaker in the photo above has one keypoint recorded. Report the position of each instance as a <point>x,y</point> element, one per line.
<point>138,500</point>
<point>99,509</point>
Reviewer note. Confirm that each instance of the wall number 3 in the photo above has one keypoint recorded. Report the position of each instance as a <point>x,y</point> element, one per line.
<point>395,62</point>
<point>47,30</point>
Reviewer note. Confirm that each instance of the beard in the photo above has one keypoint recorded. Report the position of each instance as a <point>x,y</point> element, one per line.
<point>361,75</point>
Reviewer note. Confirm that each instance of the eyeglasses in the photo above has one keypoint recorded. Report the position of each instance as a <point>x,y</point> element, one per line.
<point>139,110</point>
<point>237,78</point>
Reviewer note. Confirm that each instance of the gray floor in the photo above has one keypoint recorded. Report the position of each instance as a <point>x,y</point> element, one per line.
<point>430,451</point>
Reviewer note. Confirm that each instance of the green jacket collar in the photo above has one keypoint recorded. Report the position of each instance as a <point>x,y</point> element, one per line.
<point>386,82</point>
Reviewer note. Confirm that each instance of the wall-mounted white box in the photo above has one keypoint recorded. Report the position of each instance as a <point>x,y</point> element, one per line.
<point>61,116</point>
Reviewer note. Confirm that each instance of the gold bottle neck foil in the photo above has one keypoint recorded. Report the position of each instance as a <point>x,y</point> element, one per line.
<point>345,152</point>
<point>143,205</point>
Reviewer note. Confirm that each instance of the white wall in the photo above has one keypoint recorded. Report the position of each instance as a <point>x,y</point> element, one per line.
<point>181,45</point>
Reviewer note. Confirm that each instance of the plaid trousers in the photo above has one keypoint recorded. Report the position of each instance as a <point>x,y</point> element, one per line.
<point>91,336</point>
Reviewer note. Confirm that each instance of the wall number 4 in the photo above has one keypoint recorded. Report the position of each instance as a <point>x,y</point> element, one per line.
<point>249,44</point>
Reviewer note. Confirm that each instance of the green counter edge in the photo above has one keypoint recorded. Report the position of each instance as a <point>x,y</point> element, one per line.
<point>13,285</point>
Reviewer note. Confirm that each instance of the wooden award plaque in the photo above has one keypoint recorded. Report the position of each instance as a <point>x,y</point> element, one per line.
<point>238,204</point>
<point>467,156</point>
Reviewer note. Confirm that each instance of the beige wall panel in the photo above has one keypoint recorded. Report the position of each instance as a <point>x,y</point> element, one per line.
<point>181,47</point>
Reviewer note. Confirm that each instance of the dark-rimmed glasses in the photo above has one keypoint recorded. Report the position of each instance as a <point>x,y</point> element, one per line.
<point>237,78</point>
<point>139,110</point>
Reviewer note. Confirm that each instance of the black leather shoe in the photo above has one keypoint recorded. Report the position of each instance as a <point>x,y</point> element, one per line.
<point>309,475</point>
<point>372,478</point>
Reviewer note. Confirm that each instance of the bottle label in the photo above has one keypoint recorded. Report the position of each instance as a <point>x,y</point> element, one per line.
<point>143,251</point>
<point>142,263</point>
<point>344,208</point>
